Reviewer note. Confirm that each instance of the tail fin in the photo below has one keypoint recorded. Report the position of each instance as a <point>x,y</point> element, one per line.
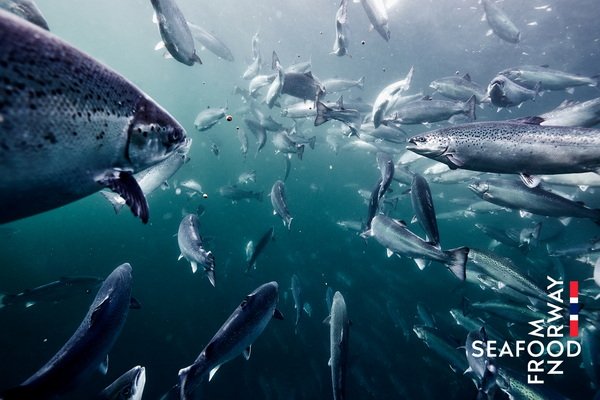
<point>322,110</point>
<point>311,142</point>
<point>275,64</point>
<point>458,262</point>
<point>300,151</point>
<point>470,104</point>
<point>361,82</point>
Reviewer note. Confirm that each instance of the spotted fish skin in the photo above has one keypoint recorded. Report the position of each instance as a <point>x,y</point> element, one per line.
<point>512,147</point>
<point>70,126</point>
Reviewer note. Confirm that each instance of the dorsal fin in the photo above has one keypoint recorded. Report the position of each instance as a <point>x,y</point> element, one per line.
<point>467,77</point>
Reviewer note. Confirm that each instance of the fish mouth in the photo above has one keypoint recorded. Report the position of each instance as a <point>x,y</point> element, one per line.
<point>414,145</point>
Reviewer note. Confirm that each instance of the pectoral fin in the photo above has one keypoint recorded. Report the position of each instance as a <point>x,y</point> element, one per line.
<point>124,184</point>
<point>247,352</point>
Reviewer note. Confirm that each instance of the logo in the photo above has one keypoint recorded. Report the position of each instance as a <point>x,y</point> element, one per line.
<point>547,346</point>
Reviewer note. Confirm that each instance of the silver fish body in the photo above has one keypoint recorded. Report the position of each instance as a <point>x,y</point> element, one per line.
<point>208,118</point>
<point>88,347</point>
<point>422,204</point>
<point>211,42</point>
<point>500,23</point>
<point>191,246</point>
<point>175,32</point>
<point>234,193</point>
<point>341,85</point>
<point>396,238</point>
<point>505,93</point>
<point>258,131</point>
<point>388,96</point>
<point>339,337</point>
<point>515,195</point>
<point>377,14</point>
<point>284,144</point>
<point>522,147</point>
<point>71,126</point>
<point>585,114</point>
<point>234,337</point>
<point>459,88</point>
<point>427,111</point>
<point>340,45</point>
<point>302,85</point>
<point>279,202</point>
<point>549,79</point>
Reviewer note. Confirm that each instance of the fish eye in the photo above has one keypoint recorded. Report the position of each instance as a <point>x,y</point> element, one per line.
<point>126,391</point>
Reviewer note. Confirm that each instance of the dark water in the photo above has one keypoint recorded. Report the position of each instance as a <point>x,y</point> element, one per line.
<point>181,311</point>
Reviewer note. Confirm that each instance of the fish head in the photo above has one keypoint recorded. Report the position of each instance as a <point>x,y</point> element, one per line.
<point>262,300</point>
<point>480,188</point>
<point>153,135</point>
<point>430,144</point>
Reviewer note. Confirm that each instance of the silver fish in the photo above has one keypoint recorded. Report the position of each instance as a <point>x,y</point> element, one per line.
<point>252,252</point>
<point>276,87</point>
<point>208,118</point>
<point>505,93</point>
<point>396,238</point>
<point>243,138</point>
<point>569,113</point>
<point>254,68</point>
<point>259,132</point>
<point>247,177</point>
<point>549,79</point>
<point>515,195</point>
<point>234,337</point>
<point>85,128</point>
<point>428,110</point>
<point>512,147</point>
<point>299,304</point>
<point>388,95</point>
<point>234,193</point>
<point>459,88</point>
<point>339,338</point>
<point>25,9</point>
<point>501,25</point>
<point>192,249</point>
<point>284,144</point>
<point>279,202</point>
<point>341,85</point>
<point>211,42</point>
<point>340,46</point>
<point>422,204</point>
<point>377,14</point>
<point>83,353</point>
<point>260,81</point>
<point>175,32</point>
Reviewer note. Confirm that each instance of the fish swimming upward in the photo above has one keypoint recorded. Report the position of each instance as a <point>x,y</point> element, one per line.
<point>69,126</point>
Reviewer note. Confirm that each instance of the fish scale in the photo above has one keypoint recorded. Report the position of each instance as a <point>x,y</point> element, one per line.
<point>68,122</point>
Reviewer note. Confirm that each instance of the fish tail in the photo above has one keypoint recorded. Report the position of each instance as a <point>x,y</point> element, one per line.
<point>457,262</point>
<point>311,142</point>
<point>361,82</point>
<point>322,110</point>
